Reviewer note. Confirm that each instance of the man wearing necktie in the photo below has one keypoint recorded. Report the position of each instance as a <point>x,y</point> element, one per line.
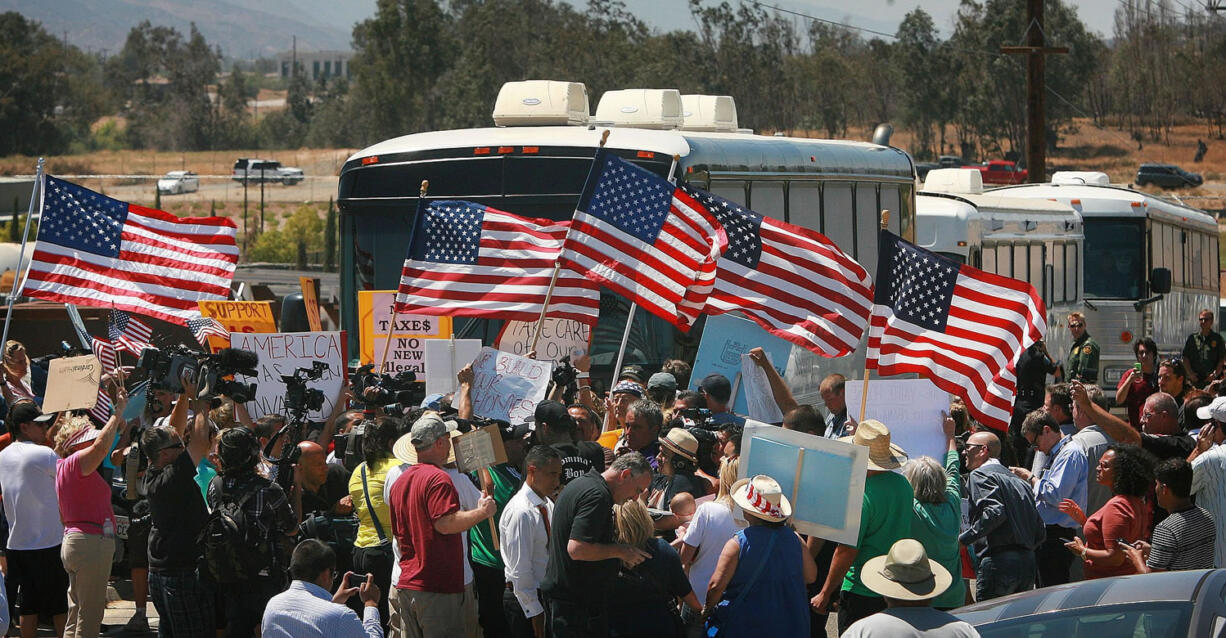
<point>524,529</point>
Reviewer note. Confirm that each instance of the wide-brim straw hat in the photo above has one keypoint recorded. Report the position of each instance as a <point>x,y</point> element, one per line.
<point>762,497</point>
<point>905,573</point>
<point>882,455</point>
<point>681,442</point>
<point>404,451</point>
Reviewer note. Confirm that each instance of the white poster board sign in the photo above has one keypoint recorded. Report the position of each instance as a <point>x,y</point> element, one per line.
<point>281,353</point>
<point>758,394</point>
<point>507,387</point>
<point>559,338</point>
<point>446,357</point>
<point>72,383</point>
<point>911,408</point>
<point>823,479</point>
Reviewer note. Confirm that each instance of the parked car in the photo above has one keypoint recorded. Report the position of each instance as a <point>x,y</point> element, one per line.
<point>176,182</point>
<point>922,168</point>
<point>1179,603</point>
<point>257,170</point>
<point>1167,176</point>
<point>1001,172</point>
<point>950,161</point>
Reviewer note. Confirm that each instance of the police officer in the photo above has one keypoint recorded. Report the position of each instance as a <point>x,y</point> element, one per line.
<point>1033,366</point>
<point>1203,353</point>
<point>1082,363</point>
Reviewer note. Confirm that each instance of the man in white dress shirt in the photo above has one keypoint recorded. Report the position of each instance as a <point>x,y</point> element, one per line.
<point>306,609</point>
<point>524,529</point>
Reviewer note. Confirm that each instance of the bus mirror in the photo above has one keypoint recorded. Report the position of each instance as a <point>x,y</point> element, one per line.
<point>1160,281</point>
<point>293,314</point>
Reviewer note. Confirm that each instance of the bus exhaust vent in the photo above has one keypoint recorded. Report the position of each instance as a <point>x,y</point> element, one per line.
<point>708,113</point>
<point>957,181</point>
<point>541,103</point>
<point>641,108</point>
<point>1079,178</point>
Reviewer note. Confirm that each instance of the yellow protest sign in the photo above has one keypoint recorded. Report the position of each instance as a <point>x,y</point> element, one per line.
<point>239,316</point>
<point>408,351</point>
<point>311,301</point>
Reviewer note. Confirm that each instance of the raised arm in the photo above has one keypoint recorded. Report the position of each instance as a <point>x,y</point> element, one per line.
<point>779,388</point>
<point>178,416</point>
<point>96,452</point>
<point>1115,427</point>
<point>464,397</point>
<point>338,408</point>
<point>198,446</point>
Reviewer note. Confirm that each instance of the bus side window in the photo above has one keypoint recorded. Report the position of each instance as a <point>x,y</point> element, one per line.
<point>1057,263</point>
<point>766,198</point>
<point>733,191</point>
<point>805,205</point>
<point>1209,263</point>
<point>988,259</point>
<point>1071,269</point>
<point>1192,257</point>
<point>1019,263</point>
<point>891,200</point>
<point>868,220</point>
<point>837,210</point>
<point>1036,267</point>
<point>1177,249</point>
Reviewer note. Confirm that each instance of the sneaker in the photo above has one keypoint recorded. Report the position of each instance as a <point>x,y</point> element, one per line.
<point>137,623</point>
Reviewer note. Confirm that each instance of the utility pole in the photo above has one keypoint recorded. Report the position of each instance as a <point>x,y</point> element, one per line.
<point>1036,90</point>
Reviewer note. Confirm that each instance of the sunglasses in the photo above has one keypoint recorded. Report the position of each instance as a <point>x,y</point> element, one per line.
<point>1203,319</point>
<point>1076,325</point>
<point>971,445</point>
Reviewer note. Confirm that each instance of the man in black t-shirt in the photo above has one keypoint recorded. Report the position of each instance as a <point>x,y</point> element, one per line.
<point>325,507</point>
<point>184,601</point>
<point>582,555</point>
<point>557,428</point>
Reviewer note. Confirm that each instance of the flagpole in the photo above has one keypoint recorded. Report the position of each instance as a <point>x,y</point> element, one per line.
<point>18,280</point>
<point>391,326</point>
<point>885,221</point>
<point>557,266</point>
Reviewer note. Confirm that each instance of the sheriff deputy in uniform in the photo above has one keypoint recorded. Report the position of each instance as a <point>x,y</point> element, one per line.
<point>1082,363</point>
<point>1203,353</point>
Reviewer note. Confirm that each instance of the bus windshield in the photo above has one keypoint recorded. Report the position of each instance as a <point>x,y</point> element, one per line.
<point>1114,258</point>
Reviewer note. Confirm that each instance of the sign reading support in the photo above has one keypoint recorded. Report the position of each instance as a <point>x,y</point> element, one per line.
<point>507,387</point>
<point>408,352</point>
<point>281,353</point>
<point>238,316</point>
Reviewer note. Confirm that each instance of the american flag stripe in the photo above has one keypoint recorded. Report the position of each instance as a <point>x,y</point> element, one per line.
<point>204,327</point>
<point>128,333</point>
<point>505,274</point>
<point>97,251</point>
<point>961,327</point>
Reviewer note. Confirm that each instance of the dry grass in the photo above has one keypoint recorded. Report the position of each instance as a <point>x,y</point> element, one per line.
<point>142,162</point>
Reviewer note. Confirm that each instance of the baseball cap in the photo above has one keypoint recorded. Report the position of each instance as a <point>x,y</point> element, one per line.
<point>634,372</point>
<point>27,412</point>
<point>1216,410</point>
<point>555,415</point>
<point>630,387</point>
<point>663,380</point>
<point>716,385</point>
<point>514,432</point>
<point>428,429</point>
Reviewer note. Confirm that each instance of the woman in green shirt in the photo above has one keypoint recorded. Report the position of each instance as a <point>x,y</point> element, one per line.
<point>937,514</point>
<point>372,550</point>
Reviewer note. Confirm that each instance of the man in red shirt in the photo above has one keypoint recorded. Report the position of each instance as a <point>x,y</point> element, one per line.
<point>427,522</point>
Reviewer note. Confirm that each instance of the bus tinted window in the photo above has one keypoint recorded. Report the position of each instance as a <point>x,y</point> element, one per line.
<point>837,207</point>
<point>804,205</point>
<point>868,220</point>
<point>989,258</point>
<point>766,198</point>
<point>454,178</point>
<point>891,200</point>
<point>545,175</point>
<point>1114,263</point>
<point>1057,263</point>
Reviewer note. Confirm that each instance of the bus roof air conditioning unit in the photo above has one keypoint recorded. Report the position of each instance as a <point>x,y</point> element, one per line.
<point>641,108</point>
<point>956,181</point>
<point>541,103</point>
<point>708,113</point>
<point>1078,178</point>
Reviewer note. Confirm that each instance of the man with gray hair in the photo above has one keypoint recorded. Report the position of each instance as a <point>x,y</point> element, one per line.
<point>644,418</point>
<point>583,558</point>
<point>427,523</point>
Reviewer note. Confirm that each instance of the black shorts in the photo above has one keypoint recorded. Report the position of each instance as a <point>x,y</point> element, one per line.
<point>42,583</point>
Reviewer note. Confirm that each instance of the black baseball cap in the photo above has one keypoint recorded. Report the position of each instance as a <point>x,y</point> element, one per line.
<point>634,372</point>
<point>555,415</point>
<point>717,385</point>
<point>27,412</point>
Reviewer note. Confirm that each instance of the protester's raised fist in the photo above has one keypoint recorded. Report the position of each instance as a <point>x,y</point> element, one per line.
<point>466,375</point>
<point>758,355</point>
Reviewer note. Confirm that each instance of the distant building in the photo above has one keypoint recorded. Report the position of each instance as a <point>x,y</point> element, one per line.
<point>317,64</point>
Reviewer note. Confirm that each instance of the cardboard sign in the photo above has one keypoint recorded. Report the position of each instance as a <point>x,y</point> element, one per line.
<point>823,479</point>
<point>559,338</point>
<point>507,386</point>
<point>724,339</point>
<point>758,394</point>
<point>446,357</point>
<point>408,352</point>
<point>311,301</point>
<point>479,449</point>
<point>72,383</point>
<point>281,353</point>
<point>911,408</point>
<point>239,316</point>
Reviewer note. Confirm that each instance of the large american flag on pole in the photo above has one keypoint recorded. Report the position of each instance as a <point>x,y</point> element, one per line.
<point>472,260</point>
<point>958,326</point>
<point>96,251</point>
<point>647,240</point>
<point>792,281</point>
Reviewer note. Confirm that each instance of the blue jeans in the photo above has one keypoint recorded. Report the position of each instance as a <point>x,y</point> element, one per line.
<point>1004,572</point>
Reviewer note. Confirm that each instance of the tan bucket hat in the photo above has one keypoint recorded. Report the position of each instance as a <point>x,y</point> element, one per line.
<point>882,455</point>
<point>905,573</point>
<point>681,442</point>
<point>762,497</point>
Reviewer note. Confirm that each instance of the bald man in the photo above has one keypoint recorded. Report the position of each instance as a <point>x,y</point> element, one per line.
<point>325,486</point>
<point>1004,525</point>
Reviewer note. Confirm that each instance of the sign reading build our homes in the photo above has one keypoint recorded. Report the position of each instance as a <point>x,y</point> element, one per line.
<point>507,387</point>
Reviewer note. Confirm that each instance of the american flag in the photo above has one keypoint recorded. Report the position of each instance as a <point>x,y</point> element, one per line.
<point>793,281</point>
<point>96,251</point>
<point>473,260</point>
<point>204,327</point>
<point>958,326</point>
<point>129,333</point>
<point>646,239</point>
<point>109,358</point>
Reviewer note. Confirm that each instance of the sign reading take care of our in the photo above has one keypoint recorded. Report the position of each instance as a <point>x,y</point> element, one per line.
<point>408,352</point>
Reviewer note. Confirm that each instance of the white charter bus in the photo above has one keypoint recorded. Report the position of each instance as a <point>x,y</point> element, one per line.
<point>1135,243</point>
<point>534,162</point>
<point>1034,240</point>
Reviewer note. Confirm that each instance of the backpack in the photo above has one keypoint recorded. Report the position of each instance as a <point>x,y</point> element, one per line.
<point>228,554</point>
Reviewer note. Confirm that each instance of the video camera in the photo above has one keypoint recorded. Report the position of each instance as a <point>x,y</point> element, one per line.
<point>694,418</point>
<point>298,397</point>
<point>392,392</point>
<point>166,368</point>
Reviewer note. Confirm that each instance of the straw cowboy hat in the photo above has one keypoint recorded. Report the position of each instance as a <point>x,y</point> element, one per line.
<point>682,443</point>
<point>882,455</point>
<point>905,573</point>
<point>762,497</point>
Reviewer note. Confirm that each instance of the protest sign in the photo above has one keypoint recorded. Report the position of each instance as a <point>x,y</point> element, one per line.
<point>408,352</point>
<point>311,301</point>
<point>446,357</point>
<point>758,395</point>
<point>239,316</point>
<point>724,339</point>
<point>559,338</point>
<point>281,353</point>
<point>911,408</point>
<point>72,383</point>
<point>823,479</point>
<point>507,387</point>
<point>479,449</point>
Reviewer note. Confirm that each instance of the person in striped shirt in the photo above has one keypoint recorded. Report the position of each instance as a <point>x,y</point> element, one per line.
<point>1185,538</point>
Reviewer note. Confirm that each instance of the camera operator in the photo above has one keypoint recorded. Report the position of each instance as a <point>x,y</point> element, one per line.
<point>323,502</point>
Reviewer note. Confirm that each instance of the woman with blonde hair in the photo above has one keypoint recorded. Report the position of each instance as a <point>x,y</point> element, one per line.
<point>89,521</point>
<point>710,528</point>
<point>643,600</point>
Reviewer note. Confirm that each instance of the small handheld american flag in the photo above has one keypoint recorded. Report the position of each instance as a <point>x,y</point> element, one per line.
<point>204,327</point>
<point>128,333</point>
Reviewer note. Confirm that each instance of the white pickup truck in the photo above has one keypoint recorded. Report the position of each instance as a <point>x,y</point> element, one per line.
<point>257,170</point>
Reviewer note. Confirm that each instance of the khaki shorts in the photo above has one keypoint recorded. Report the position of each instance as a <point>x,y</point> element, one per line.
<point>423,614</point>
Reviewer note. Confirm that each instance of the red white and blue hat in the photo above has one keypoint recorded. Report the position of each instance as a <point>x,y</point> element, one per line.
<point>762,497</point>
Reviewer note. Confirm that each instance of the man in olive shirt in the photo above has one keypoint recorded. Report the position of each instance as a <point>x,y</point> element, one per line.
<point>1082,363</point>
<point>1203,353</point>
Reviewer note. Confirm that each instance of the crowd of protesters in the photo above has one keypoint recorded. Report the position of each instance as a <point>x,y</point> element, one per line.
<point>621,515</point>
